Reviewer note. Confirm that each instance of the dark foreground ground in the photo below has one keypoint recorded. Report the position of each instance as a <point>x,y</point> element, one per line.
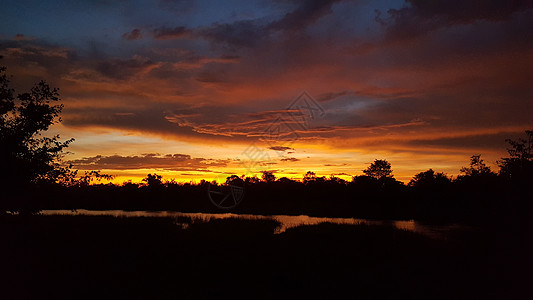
<point>73,257</point>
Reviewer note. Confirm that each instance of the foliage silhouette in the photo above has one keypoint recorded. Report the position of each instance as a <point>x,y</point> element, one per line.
<point>268,176</point>
<point>429,179</point>
<point>477,167</point>
<point>380,168</point>
<point>518,167</point>
<point>308,177</point>
<point>89,177</point>
<point>153,181</point>
<point>26,156</point>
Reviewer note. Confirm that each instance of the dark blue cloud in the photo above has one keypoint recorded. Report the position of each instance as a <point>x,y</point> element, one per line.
<point>135,34</point>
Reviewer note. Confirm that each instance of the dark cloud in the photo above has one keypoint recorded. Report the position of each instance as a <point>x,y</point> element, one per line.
<point>211,77</point>
<point>143,119</point>
<point>177,6</point>
<point>467,11</point>
<point>29,50</point>
<point>492,141</point>
<point>341,174</point>
<point>171,162</point>
<point>250,33</point>
<point>22,37</point>
<point>229,57</point>
<point>333,95</point>
<point>124,68</point>
<point>238,34</point>
<point>280,148</point>
<point>289,159</point>
<point>335,165</point>
<point>135,34</point>
<point>212,121</point>
<point>307,13</point>
<point>165,33</point>
<point>38,59</point>
<point>421,16</point>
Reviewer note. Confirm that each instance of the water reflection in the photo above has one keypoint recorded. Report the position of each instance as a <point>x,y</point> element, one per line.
<point>285,221</point>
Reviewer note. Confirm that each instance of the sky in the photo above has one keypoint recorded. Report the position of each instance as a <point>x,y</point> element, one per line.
<point>201,89</point>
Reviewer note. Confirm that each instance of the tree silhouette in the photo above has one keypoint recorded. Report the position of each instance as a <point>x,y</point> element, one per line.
<point>309,177</point>
<point>519,165</point>
<point>379,169</point>
<point>153,180</point>
<point>251,180</point>
<point>477,167</point>
<point>234,179</point>
<point>6,96</point>
<point>26,156</point>
<point>268,176</point>
<point>336,180</point>
<point>285,180</point>
<point>429,179</point>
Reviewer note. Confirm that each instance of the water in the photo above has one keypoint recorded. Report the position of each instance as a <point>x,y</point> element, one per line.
<point>286,221</point>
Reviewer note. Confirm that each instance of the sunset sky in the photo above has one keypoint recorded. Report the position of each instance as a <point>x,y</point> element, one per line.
<point>201,89</point>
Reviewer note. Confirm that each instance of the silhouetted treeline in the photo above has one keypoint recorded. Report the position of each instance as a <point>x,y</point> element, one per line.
<point>476,195</point>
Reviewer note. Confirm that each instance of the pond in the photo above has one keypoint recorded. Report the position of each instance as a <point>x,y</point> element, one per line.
<point>286,221</point>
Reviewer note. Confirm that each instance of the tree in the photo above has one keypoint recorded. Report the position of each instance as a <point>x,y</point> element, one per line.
<point>235,180</point>
<point>309,177</point>
<point>286,181</point>
<point>336,180</point>
<point>26,156</point>
<point>268,176</point>
<point>519,165</point>
<point>477,167</point>
<point>153,181</point>
<point>251,180</point>
<point>379,169</point>
<point>429,178</point>
<point>89,177</point>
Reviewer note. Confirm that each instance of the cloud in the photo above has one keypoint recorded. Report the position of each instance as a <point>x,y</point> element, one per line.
<point>22,37</point>
<point>420,17</point>
<point>304,15</point>
<point>245,124</point>
<point>245,33</point>
<point>170,162</point>
<point>292,159</point>
<point>332,95</point>
<point>280,148</point>
<point>179,7</point>
<point>255,32</point>
<point>487,141</point>
<point>335,165</point>
<point>125,68</point>
<point>464,12</point>
<point>434,78</point>
<point>166,33</point>
<point>135,34</point>
<point>37,51</point>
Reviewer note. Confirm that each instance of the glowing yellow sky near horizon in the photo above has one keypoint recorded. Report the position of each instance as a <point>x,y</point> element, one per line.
<point>318,157</point>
